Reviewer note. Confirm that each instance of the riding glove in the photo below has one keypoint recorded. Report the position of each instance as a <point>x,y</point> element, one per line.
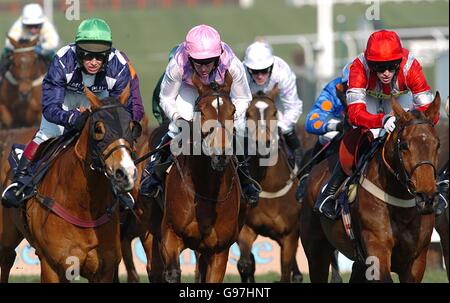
<point>389,123</point>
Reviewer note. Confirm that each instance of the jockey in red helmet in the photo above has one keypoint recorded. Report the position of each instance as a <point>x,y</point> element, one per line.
<point>384,69</point>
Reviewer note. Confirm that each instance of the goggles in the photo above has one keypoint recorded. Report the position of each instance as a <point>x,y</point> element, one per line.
<point>260,71</point>
<point>381,67</point>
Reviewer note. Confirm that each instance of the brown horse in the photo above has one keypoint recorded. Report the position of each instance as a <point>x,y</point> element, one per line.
<point>276,215</point>
<point>442,221</point>
<point>80,235</point>
<point>203,207</point>
<point>21,88</point>
<point>390,238</point>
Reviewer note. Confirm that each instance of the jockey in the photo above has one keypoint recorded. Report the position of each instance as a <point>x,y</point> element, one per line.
<point>156,108</point>
<point>92,62</point>
<point>264,71</point>
<point>326,118</point>
<point>205,54</point>
<point>32,24</point>
<point>384,69</point>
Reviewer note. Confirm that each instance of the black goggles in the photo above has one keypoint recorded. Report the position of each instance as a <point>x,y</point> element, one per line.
<point>204,61</point>
<point>30,26</point>
<point>85,55</point>
<point>382,67</point>
<point>259,71</point>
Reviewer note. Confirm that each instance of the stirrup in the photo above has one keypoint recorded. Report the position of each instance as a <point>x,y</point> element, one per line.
<point>10,199</point>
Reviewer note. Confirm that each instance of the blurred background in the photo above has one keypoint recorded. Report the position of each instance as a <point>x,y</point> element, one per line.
<point>316,37</point>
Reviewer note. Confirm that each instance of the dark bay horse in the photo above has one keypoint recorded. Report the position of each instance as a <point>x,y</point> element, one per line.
<point>276,215</point>
<point>80,235</point>
<point>21,87</point>
<point>203,206</point>
<point>391,238</point>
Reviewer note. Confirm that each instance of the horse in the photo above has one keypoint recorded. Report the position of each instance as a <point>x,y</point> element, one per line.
<point>388,238</point>
<point>277,212</point>
<point>21,88</point>
<point>203,208</point>
<point>73,220</point>
<point>442,221</point>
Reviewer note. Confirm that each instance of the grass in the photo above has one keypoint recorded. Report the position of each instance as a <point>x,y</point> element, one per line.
<point>438,276</point>
<point>149,34</point>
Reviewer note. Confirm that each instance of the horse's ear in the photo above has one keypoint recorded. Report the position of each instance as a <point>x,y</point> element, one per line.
<point>14,43</point>
<point>274,92</point>
<point>398,109</point>
<point>123,98</point>
<point>198,83</point>
<point>433,110</point>
<point>228,82</point>
<point>33,42</point>
<point>92,98</point>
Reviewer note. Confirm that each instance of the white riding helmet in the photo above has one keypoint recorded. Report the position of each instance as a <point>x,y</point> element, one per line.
<point>32,14</point>
<point>258,56</point>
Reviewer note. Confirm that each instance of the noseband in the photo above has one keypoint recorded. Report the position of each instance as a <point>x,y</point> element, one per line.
<point>403,176</point>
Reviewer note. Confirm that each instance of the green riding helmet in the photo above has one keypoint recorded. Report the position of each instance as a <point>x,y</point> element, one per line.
<point>94,35</point>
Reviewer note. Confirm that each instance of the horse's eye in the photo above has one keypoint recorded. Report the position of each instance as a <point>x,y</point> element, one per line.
<point>404,146</point>
<point>99,131</point>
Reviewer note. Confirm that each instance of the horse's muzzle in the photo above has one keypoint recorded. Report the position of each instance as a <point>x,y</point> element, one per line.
<point>425,203</point>
<point>219,163</point>
<point>124,181</point>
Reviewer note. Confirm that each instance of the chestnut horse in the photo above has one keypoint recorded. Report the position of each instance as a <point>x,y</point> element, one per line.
<point>276,215</point>
<point>203,207</point>
<point>21,87</point>
<point>390,238</point>
<point>81,231</point>
<point>442,221</point>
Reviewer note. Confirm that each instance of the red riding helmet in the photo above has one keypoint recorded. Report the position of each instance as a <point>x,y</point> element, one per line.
<point>383,46</point>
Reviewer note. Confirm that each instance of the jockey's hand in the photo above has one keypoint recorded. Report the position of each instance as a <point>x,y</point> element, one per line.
<point>389,123</point>
<point>78,119</point>
<point>335,125</point>
<point>38,49</point>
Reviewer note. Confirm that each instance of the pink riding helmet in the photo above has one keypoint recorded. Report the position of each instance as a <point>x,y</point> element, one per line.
<point>203,42</point>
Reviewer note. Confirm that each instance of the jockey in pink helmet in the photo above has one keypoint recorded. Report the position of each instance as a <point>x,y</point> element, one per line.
<point>203,53</point>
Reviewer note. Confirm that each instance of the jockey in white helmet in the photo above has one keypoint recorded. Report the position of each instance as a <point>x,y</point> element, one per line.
<point>203,53</point>
<point>30,25</point>
<point>266,70</point>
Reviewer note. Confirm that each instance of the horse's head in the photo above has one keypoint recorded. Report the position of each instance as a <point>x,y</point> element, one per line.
<point>216,119</point>
<point>413,149</point>
<point>22,69</point>
<point>109,136</point>
<point>262,117</point>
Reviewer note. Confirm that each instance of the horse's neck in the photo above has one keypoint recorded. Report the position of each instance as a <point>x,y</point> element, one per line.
<point>75,186</point>
<point>199,169</point>
<point>274,175</point>
<point>378,173</point>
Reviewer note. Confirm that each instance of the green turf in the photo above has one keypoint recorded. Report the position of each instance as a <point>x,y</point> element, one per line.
<point>147,35</point>
<point>438,276</point>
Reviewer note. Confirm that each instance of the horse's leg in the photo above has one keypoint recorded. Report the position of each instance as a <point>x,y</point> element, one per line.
<point>316,246</point>
<point>197,276</point>
<point>288,250</point>
<point>48,274</point>
<point>297,276</point>
<point>379,250</point>
<point>155,265</point>
<point>335,275</point>
<point>442,227</point>
<point>216,267</point>
<point>414,273</point>
<point>127,256</point>
<point>10,238</point>
<point>246,263</point>
<point>171,246</point>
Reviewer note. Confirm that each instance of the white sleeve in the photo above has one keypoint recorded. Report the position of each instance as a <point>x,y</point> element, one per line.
<point>170,87</point>
<point>292,104</point>
<point>241,95</point>
<point>15,32</point>
<point>49,37</point>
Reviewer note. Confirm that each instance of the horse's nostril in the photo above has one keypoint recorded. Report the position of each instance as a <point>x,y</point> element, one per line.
<point>119,174</point>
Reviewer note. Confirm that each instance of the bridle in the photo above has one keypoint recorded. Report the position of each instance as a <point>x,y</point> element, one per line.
<point>103,154</point>
<point>403,176</point>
